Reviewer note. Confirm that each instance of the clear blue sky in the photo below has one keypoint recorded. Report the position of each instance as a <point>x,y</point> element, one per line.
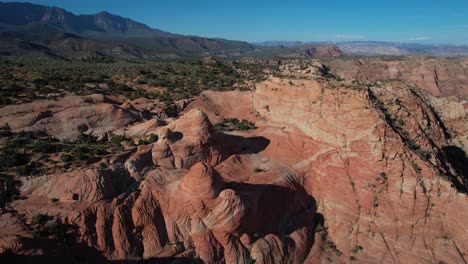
<point>423,21</point>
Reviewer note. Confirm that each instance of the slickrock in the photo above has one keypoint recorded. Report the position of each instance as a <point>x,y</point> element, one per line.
<point>325,115</point>
<point>330,175</point>
<point>69,117</point>
<point>85,185</point>
<point>215,105</point>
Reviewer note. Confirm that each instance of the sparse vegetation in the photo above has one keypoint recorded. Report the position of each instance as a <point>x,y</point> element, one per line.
<point>8,190</point>
<point>168,80</point>
<point>5,130</point>
<point>152,138</point>
<point>231,124</point>
<point>45,226</point>
<point>27,154</point>
<point>424,154</point>
<point>356,249</point>
<point>331,245</point>
<point>383,175</point>
<point>415,166</point>
<point>411,143</point>
<point>39,219</point>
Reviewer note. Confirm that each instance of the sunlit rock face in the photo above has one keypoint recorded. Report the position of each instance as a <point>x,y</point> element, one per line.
<point>329,175</point>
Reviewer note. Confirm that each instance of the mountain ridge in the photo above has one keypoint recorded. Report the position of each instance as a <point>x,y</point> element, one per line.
<point>21,14</point>
<point>24,25</point>
<point>39,30</point>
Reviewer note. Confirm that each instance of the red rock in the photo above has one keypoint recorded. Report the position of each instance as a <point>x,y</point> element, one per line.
<point>329,175</point>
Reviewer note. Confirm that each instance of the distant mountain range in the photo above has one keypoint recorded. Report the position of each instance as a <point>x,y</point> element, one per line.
<point>378,47</point>
<point>396,48</point>
<point>29,29</point>
<point>285,44</point>
<point>36,30</point>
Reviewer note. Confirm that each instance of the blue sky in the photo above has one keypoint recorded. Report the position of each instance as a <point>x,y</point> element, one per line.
<point>428,21</point>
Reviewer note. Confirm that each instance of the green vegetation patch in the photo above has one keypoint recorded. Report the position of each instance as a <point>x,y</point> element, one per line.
<point>231,124</point>
<point>26,154</point>
<point>24,79</point>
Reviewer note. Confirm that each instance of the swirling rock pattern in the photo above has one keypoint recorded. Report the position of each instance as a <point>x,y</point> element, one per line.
<point>329,176</point>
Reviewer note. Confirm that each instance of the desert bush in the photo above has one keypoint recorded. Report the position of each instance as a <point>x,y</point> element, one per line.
<point>9,189</point>
<point>230,124</point>
<point>356,249</point>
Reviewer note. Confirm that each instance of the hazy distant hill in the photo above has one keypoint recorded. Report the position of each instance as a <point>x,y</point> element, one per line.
<point>35,29</point>
<point>285,44</point>
<point>295,50</point>
<point>396,48</point>
<point>379,48</point>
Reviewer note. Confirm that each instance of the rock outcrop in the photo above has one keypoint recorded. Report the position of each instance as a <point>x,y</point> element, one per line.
<point>70,117</point>
<point>186,141</point>
<point>439,76</point>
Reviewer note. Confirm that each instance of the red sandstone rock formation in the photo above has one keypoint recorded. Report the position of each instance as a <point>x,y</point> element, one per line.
<point>330,175</point>
<point>439,76</point>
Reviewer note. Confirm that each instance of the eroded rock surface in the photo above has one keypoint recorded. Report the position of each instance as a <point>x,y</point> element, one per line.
<point>439,76</point>
<point>330,175</point>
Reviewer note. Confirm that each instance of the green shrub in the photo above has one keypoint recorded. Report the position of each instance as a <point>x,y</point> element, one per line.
<point>86,139</point>
<point>45,228</point>
<point>424,154</point>
<point>153,138</point>
<point>65,158</point>
<point>415,166</point>
<point>356,249</point>
<point>40,219</point>
<point>117,139</point>
<point>411,143</point>
<point>230,124</point>
<point>26,170</point>
<point>10,158</point>
<point>80,153</point>
<point>5,130</point>
<point>331,245</point>
<point>43,147</point>
<point>9,189</point>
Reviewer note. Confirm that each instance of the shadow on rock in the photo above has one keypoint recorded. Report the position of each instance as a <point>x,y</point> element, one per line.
<point>273,209</point>
<point>58,252</point>
<point>242,145</point>
<point>457,159</point>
